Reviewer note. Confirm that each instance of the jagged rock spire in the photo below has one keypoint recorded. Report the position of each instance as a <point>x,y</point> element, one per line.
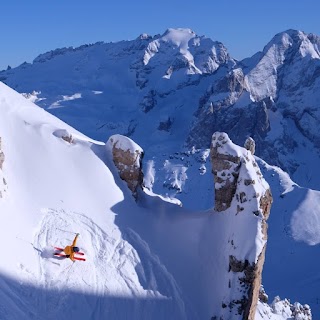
<point>244,196</point>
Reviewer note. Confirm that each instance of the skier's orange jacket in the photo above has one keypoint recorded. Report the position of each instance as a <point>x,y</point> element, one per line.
<point>68,249</point>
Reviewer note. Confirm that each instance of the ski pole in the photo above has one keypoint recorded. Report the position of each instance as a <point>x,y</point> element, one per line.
<point>66,231</point>
<point>24,241</point>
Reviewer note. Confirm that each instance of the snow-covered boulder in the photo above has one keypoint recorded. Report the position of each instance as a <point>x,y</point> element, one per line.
<point>242,193</point>
<point>283,309</point>
<point>127,157</point>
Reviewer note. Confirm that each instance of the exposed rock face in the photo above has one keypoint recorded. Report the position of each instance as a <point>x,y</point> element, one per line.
<point>226,172</point>
<point>149,101</point>
<point>65,135</point>
<point>127,157</point>
<point>240,190</point>
<point>263,297</point>
<point>251,120</point>
<point>165,125</point>
<point>68,138</point>
<point>250,145</point>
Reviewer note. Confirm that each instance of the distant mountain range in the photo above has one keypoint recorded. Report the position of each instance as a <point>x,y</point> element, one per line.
<point>180,87</point>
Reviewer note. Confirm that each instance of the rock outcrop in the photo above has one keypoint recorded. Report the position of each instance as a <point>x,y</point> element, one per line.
<point>242,193</point>
<point>250,145</point>
<point>127,157</point>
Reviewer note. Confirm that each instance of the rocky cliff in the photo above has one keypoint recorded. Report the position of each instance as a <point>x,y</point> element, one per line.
<point>242,196</point>
<point>242,193</point>
<point>127,157</point>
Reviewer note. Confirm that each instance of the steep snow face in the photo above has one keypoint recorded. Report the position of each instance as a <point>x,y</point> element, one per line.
<point>173,39</point>
<point>292,239</point>
<point>56,188</point>
<point>293,49</point>
<point>305,220</point>
<point>262,79</point>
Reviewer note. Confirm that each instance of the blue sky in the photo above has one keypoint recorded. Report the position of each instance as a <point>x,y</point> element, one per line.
<point>31,27</point>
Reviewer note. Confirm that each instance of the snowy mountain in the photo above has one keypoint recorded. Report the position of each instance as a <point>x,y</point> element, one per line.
<point>183,87</point>
<point>169,93</point>
<point>273,98</point>
<point>57,187</point>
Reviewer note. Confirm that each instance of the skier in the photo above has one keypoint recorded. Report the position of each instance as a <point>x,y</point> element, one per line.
<point>70,250</point>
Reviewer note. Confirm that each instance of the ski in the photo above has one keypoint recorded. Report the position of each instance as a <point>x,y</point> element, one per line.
<point>80,259</point>
<point>59,254</point>
<point>61,249</point>
<point>64,255</point>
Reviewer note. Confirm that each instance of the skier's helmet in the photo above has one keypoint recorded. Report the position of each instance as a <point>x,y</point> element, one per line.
<point>75,249</point>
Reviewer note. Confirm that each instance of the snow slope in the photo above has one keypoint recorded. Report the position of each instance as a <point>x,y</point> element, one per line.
<point>55,189</point>
<point>292,258</point>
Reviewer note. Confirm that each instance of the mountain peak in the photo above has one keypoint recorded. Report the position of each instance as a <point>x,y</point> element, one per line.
<point>293,32</point>
<point>171,31</point>
<point>144,36</point>
<point>285,39</point>
<point>179,37</point>
<point>289,38</point>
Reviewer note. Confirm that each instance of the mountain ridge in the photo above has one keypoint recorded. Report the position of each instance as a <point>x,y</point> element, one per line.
<point>195,87</point>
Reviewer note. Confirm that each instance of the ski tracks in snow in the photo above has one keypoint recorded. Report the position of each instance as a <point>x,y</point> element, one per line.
<point>116,265</point>
<point>58,228</point>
